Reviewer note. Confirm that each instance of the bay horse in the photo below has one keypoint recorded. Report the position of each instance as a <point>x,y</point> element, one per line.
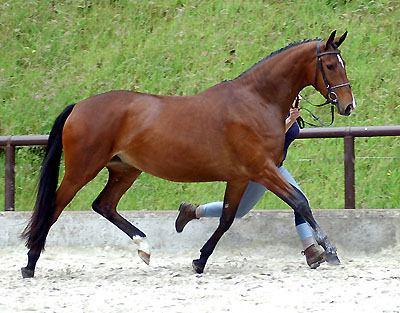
<point>233,132</point>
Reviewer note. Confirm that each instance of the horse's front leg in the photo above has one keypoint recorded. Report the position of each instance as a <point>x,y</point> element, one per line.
<point>302,207</point>
<point>275,182</point>
<point>233,194</point>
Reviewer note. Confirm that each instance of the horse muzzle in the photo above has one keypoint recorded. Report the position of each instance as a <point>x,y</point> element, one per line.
<point>349,109</point>
<point>346,111</point>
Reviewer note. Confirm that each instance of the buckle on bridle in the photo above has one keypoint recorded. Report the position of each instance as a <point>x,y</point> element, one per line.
<point>333,100</point>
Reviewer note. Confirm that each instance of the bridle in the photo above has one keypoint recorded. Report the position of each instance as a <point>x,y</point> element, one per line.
<point>330,90</point>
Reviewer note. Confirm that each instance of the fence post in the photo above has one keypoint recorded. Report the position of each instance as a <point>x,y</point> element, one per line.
<point>10,178</point>
<point>349,175</point>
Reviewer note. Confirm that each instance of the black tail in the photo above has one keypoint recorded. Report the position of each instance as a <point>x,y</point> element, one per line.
<point>39,225</point>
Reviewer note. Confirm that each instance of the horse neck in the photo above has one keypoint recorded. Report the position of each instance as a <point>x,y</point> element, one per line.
<point>280,78</point>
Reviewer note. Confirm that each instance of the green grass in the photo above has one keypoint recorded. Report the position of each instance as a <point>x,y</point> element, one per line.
<point>59,52</point>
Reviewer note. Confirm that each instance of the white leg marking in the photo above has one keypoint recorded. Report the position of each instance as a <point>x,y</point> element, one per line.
<point>142,244</point>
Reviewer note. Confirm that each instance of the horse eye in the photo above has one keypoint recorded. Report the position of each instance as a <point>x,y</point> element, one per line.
<point>330,67</point>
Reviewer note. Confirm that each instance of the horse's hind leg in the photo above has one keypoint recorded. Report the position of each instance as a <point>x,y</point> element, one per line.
<point>121,177</point>
<point>72,182</point>
<point>233,194</point>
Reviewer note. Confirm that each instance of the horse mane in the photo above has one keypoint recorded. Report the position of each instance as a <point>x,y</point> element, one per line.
<point>291,45</point>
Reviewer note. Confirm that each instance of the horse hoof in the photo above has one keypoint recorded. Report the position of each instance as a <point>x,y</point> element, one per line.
<point>332,258</point>
<point>143,248</point>
<point>144,256</point>
<point>315,265</point>
<point>27,273</point>
<point>197,266</point>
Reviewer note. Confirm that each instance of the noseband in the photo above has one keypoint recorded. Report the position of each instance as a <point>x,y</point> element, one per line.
<point>330,89</point>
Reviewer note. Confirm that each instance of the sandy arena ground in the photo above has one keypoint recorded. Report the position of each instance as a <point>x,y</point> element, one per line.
<point>114,279</point>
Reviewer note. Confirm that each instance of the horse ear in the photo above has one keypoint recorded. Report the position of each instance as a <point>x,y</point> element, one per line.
<point>341,39</point>
<point>330,40</point>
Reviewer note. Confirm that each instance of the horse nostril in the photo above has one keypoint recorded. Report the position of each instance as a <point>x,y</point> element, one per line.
<point>348,109</point>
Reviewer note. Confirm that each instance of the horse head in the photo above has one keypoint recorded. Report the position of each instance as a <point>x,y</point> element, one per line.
<point>330,75</point>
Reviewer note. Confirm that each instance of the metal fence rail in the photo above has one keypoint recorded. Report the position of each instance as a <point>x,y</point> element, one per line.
<point>347,133</point>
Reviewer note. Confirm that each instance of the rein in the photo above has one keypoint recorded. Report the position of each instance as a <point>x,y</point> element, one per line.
<point>329,99</point>
<point>302,122</point>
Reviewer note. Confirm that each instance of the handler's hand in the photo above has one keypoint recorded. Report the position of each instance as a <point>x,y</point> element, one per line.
<point>294,113</point>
